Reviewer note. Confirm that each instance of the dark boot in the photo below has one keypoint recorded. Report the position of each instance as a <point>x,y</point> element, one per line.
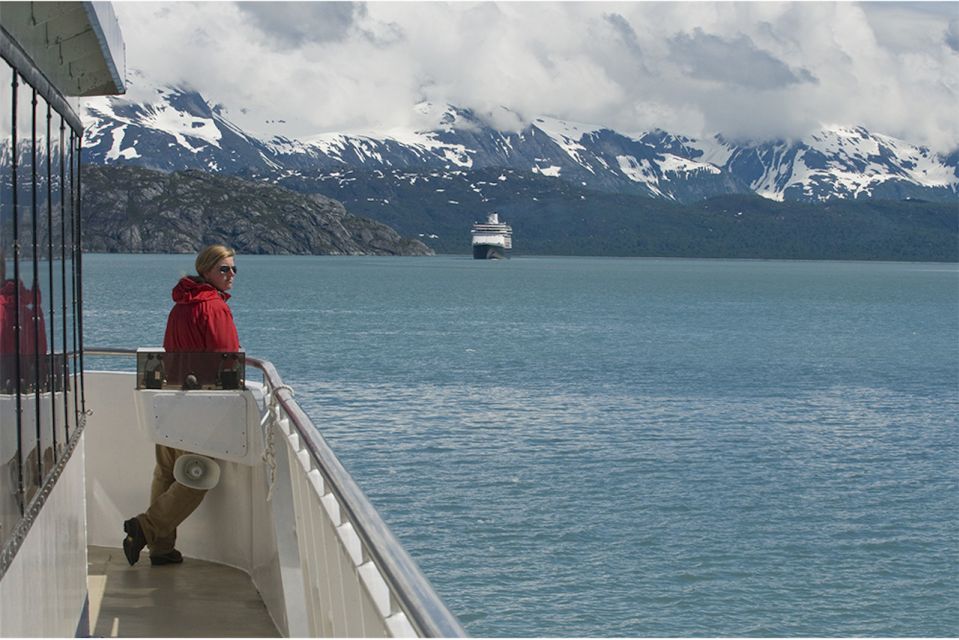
<point>170,557</point>
<point>134,542</point>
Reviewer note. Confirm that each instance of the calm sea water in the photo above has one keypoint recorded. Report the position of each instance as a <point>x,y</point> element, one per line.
<point>624,447</point>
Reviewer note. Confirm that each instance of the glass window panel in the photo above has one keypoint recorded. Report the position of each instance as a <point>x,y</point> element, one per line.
<point>9,484</point>
<point>70,188</point>
<point>23,265</point>
<point>42,290</point>
<point>78,267</point>
<point>40,323</point>
<point>78,278</point>
<point>56,327</point>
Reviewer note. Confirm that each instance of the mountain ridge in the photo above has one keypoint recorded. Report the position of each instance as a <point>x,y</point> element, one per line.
<point>180,129</point>
<point>569,188</point>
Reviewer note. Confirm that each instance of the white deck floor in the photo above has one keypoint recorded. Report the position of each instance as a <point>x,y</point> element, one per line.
<point>195,599</point>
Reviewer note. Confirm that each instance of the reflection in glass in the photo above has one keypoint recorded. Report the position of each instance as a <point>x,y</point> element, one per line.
<point>9,464</point>
<point>70,285</point>
<point>39,301</point>
<point>43,392</point>
<point>24,328</point>
<point>56,276</point>
<point>62,282</point>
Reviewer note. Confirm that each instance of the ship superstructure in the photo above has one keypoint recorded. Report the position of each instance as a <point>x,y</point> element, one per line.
<point>492,239</point>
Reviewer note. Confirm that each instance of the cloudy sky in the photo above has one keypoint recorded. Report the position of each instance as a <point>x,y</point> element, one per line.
<point>751,70</point>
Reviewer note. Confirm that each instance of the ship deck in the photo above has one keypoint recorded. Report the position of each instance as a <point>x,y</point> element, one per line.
<point>196,599</point>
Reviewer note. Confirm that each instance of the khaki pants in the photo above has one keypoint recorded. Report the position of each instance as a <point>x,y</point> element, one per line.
<point>170,503</point>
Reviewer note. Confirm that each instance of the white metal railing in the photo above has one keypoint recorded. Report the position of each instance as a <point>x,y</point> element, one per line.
<point>357,579</point>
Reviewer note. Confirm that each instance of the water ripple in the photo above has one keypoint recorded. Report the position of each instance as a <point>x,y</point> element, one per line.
<point>626,447</point>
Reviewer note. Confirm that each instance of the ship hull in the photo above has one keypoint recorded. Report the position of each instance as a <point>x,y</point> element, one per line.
<point>489,252</point>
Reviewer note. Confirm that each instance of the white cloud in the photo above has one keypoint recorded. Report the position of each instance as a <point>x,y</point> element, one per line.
<point>749,69</point>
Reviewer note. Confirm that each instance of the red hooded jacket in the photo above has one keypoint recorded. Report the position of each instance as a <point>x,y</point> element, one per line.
<point>33,336</point>
<point>200,320</point>
<point>30,334</point>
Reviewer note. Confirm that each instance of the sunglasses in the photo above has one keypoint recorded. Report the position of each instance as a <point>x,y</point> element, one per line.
<point>225,269</point>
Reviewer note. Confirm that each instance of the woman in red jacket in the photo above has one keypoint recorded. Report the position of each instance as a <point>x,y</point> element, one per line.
<point>199,321</point>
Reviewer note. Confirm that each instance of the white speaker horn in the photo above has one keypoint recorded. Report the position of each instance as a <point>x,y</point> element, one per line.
<point>196,471</point>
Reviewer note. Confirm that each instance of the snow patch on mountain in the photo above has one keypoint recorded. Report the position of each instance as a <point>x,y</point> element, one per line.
<point>714,150</point>
<point>675,164</point>
<point>117,151</point>
<point>564,130</point>
<point>551,171</point>
<point>568,136</point>
<point>347,147</point>
<point>641,171</point>
<point>183,125</point>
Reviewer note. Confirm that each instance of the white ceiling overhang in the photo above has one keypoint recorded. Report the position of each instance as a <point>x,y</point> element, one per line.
<point>76,45</point>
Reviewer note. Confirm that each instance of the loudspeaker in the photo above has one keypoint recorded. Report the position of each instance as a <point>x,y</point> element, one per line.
<point>196,471</point>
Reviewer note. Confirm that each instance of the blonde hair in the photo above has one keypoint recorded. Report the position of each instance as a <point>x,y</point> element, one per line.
<point>209,256</point>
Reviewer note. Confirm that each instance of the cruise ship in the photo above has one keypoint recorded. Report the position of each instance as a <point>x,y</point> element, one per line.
<point>492,240</point>
<point>285,542</point>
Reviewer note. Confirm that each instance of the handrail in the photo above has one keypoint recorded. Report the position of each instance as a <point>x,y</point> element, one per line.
<point>426,612</point>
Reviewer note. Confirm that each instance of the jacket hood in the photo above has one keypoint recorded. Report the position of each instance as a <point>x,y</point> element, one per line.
<point>9,287</point>
<point>191,290</point>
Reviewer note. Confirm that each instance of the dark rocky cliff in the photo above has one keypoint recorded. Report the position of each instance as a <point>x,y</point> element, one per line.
<point>136,210</point>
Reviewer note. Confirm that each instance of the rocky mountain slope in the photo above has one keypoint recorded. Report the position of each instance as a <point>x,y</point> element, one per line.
<point>138,210</point>
<point>565,187</point>
<point>180,129</point>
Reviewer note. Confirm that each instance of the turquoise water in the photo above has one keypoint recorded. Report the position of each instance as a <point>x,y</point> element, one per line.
<point>624,447</point>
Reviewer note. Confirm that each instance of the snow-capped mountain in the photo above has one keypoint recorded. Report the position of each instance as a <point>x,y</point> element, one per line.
<point>839,162</point>
<point>179,129</point>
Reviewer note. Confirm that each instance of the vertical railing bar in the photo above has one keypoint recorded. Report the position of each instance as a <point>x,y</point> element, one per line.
<point>51,383</point>
<point>314,531</point>
<point>73,276</point>
<point>314,565</point>
<point>310,572</point>
<point>325,583</point>
<point>78,265</point>
<point>21,486</point>
<point>327,556</point>
<point>300,525</point>
<point>342,556</point>
<point>35,286</point>
<point>63,287</point>
<point>332,556</point>
<point>361,597</point>
<point>297,519</point>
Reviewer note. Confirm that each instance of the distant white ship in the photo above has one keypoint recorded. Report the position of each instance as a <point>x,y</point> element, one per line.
<point>492,240</point>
